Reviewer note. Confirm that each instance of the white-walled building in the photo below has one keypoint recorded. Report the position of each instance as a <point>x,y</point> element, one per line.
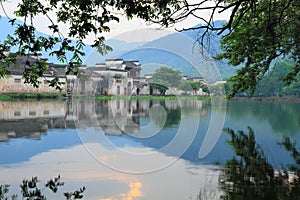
<point>114,77</point>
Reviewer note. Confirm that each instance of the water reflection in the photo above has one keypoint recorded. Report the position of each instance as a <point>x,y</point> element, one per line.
<point>59,150</point>
<point>249,175</point>
<point>30,119</point>
<point>283,117</point>
<point>34,118</point>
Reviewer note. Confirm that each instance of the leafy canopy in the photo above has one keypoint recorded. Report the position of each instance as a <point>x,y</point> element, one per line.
<point>167,77</point>
<point>272,84</point>
<point>267,32</point>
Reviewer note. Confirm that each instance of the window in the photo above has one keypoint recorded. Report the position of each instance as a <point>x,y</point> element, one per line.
<point>32,113</point>
<point>46,112</point>
<point>17,80</point>
<point>17,113</point>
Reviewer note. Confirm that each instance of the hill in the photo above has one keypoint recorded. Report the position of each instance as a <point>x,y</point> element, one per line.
<point>119,48</point>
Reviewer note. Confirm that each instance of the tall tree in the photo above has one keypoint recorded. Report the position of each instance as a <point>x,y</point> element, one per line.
<point>167,77</point>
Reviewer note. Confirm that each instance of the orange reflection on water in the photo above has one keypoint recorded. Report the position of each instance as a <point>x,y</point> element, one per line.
<point>135,191</point>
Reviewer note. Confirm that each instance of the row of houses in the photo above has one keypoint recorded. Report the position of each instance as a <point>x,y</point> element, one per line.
<point>113,77</point>
<point>14,82</point>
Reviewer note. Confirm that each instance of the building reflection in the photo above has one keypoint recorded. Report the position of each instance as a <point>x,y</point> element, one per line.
<point>30,119</point>
<point>117,116</point>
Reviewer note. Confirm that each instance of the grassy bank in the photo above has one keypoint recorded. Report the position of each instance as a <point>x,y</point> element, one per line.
<point>15,96</point>
<point>207,98</point>
<point>4,97</point>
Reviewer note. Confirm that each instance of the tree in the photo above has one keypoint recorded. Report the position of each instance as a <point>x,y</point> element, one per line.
<point>185,85</point>
<point>196,86</point>
<point>206,89</point>
<point>260,37</point>
<point>272,84</point>
<point>189,86</point>
<point>167,77</point>
<point>256,33</point>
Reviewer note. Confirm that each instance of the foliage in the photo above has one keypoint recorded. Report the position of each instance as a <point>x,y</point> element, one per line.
<point>205,89</point>
<point>26,96</point>
<point>266,32</point>
<point>249,175</point>
<point>4,97</point>
<point>185,85</point>
<point>294,153</point>
<point>273,83</point>
<point>196,85</point>
<point>30,190</point>
<point>167,77</point>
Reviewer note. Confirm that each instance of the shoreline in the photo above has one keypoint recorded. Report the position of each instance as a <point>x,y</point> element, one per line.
<point>27,96</point>
<point>56,96</point>
<point>266,99</point>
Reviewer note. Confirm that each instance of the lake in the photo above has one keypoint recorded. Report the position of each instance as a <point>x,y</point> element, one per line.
<point>137,149</point>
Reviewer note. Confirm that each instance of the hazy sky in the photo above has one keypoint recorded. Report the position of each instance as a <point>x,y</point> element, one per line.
<point>133,30</point>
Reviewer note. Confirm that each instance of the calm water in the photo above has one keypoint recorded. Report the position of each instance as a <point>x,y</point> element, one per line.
<point>136,149</point>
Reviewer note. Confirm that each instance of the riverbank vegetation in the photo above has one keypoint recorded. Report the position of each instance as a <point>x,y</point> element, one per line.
<point>13,96</point>
<point>270,87</point>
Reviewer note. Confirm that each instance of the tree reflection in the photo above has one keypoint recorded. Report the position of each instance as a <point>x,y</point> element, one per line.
<point>249,175</point>
<point>170,114</point>
<point>283,117</point>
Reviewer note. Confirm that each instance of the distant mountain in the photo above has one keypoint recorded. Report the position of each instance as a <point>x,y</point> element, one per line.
<point>119,47</point>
